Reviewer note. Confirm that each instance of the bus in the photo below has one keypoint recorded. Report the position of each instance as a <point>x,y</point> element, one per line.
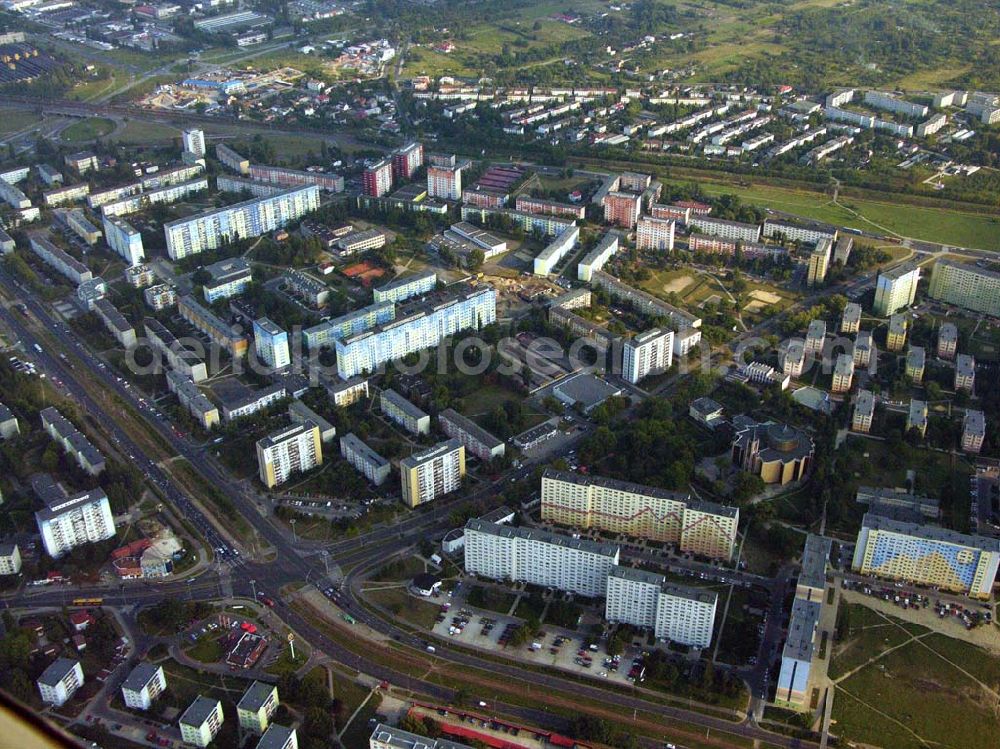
<point>88,601</point>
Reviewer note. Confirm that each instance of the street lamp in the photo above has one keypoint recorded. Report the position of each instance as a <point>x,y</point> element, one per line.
<point>292,523</point>
<point>253,586</point>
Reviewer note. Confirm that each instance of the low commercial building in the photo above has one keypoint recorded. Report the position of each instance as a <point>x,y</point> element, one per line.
<point>404,413</point>
<point>864,411</point>
<point>243,401</point>
<point>288,451</point>
<point>887,500</point>
<point>674,613</point>
<point>390,737</point>
<point>927,555</point>
<point>427,475</point>
<point>59,682</point>
<point>537,557</point>
<point>373,466</point>
<point>228,278</point>
<point>257,706</point>
<point>361,241</point>
<point>477,440</point>
<point>201,722</point>
<point>144,684</point>
<point>706,412</point>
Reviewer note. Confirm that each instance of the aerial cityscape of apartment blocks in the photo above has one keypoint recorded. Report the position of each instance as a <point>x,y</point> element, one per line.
<point>429,474</point>
<point>927,555</point>
<point>271,343</point>
<point>251,218</point>
<point>674,613</point>
<point>967,286</point>
<point>551,560</point>
<point>614,506</point>
<point>622,209</point>
<point>895,289</point>
<point>444,178</point>
<point>819,262</point>
<point>288,451</point>
<point>463,309</point>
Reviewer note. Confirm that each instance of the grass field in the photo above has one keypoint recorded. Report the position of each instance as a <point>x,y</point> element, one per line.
<point>912,692</point>
<point>137,132</point>
<point>87,130</point>
<point>15,120</point>
<point>399,603</point>
<point>975,230</point>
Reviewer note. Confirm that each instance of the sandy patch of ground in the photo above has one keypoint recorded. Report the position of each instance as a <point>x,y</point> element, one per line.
<point>765,297</point>
<point>714,299</point>
<point>678,285</point>
<point>755,306</point>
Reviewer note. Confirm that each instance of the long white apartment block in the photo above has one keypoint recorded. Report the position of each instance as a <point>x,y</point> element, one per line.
<point>425,328</point>
<point>251,218</point>
<point>673,612</point>
<point>551,560</point>
<point>556,250</point>
<point>648,353</point>
<point>596,258</point>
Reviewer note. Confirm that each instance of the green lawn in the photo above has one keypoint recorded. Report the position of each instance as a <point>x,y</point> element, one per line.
<point>935,701</point>
<point>930,224</point>
<point>15,120</point>
<point>401,604</point>
<point>871,634</point>
<point>137,132</point>
<point>207,649</point>
<point>87,130</point>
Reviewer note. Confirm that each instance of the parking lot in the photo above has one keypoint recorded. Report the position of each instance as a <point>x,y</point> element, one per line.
<point>552,647</point>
